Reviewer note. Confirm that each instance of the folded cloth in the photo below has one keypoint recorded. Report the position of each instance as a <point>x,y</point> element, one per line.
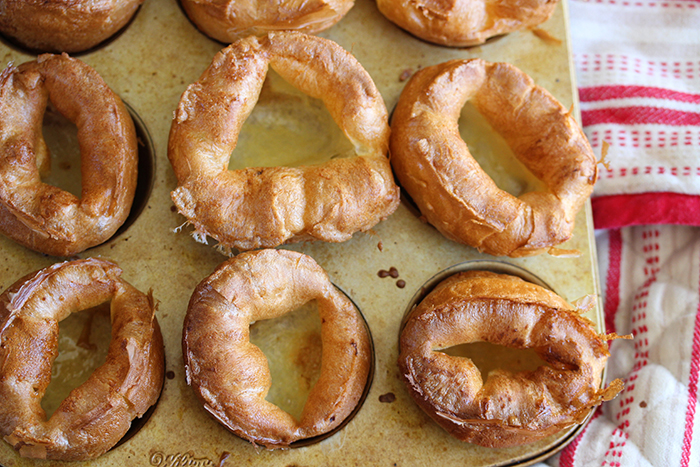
<point>638,72</point>
<point>652,281</point>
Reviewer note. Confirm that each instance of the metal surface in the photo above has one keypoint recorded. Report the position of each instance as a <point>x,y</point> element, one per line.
<point>149,65</point>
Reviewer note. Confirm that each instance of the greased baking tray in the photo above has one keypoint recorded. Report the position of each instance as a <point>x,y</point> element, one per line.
<point>149,65</point>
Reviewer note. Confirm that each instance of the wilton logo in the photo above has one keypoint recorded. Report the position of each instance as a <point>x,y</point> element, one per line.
<point>187,459</point>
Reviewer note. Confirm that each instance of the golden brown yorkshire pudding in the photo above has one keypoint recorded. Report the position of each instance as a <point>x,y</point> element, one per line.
<point>229,20</point>
<point>269,206</point>
<point>460,23</point>
<point>43,217</point>
<point>64,25</point>
<point>231,376</point>
<point>434,166</point>
<point>96,414</point>
<point>508,408</point>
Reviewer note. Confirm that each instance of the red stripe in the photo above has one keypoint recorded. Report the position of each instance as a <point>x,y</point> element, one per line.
<point>602,93</point>
<point>567,455</point>
<point>612,281</point>
<point>612,301</point>
<point>640,115</point>
<point>610,212</point>
<point>647,3</point>
<point>692,392</point>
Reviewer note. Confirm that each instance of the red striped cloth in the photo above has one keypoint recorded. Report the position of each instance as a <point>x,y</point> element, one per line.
<point>638,72</point>
<point>651,281</point>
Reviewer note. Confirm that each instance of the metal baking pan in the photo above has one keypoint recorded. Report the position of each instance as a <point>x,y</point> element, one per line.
<point>149,65</point>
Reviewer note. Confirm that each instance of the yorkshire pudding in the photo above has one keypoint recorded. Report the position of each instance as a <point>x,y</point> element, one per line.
<point>64,25</point>
<point>96,414</point>
<point>433,163</point>
<point>230,375</point>
<point>268,206</point>
<point>506,409</point>
<point>460,23</point>
<point>43,217</point>
<point>229,20</point>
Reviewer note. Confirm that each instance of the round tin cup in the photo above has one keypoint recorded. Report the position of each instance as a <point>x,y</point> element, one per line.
<point>146,171</point>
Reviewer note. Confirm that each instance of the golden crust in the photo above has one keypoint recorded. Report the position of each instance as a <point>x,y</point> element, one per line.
<point>266,207</point>
<point>43,217</point>
<point>460,23</point>
<point>230,20</point>
<point>508,408</point>
<point>230,375</point>
<point>97,414</point>
<point>64,25</point>
<point>434,166</point>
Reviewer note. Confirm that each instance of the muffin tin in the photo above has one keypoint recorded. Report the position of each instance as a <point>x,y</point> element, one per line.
<point>149,65</point>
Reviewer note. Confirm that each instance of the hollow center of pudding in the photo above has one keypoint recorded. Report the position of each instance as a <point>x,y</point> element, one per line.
<point>287,128</point>
<point>494,155</point>
<point>292,345</point>
<point>83,342</point>
<point>61,137</point>
<point>487,357</point>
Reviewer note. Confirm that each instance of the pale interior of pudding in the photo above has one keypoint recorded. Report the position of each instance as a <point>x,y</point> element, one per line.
<point>287,128</point>
<point>61,137</point>
<point>487,357</point>
<point>83,342</point>
<point>494,155</point>
<point>292,345</point>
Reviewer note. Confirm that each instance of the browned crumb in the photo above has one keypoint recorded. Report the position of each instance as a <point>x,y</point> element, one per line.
<point>392,272</point>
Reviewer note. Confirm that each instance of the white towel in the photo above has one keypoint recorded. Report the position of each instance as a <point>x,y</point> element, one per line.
<point>638,72</point>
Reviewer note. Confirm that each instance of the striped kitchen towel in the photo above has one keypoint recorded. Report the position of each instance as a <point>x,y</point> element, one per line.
<point>638,72</point>
<point>651,280</point>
